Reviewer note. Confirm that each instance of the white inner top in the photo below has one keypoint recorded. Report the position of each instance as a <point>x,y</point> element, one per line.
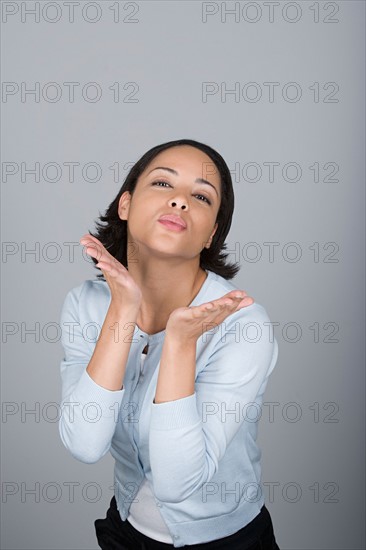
<point>144,514</point>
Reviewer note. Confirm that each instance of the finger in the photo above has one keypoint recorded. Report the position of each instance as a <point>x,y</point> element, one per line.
<point>102,253</point>
<point>103,265</point>
<point>89,239</point>
<point>223,308</point>
<point>242,297</point>
<point>231,303</point>
<point>107,267</point>
<point>216,304</point>
<point>214,307</point>
<point>88,236</point>
<point>94,251</point>
<point>238,294</point>
<point>233,295</point>
<point>228,301</point>
<point>90,242</point>
<point>248,300</point>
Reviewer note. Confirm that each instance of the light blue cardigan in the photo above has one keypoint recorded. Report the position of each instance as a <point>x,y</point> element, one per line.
<point>198,452</point>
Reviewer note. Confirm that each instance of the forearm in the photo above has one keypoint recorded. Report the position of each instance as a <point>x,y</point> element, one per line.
<point>177,369</point>
<point>108,363</point>
<point>90,410</point>
<point>175,427</point>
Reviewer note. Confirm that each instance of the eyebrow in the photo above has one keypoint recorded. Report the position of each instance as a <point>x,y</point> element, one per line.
<point>197,180</point>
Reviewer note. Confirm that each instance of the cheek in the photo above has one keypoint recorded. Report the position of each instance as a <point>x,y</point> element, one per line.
<point>135,217</point>
<point>142,215</point>
<point>205,221</point>
<point>141,208</point>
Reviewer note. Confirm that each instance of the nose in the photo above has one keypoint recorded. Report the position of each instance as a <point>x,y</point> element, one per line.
<point>179,203</point>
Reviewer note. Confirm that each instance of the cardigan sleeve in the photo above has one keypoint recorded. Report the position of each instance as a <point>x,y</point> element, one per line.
<point>89,412</point>
<point>189,436</point>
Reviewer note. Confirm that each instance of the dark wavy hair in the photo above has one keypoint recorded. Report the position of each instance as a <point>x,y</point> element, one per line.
<point>113,235</point>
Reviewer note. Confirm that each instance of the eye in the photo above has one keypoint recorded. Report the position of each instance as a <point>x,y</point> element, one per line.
<point>197,195</point>
<point>156,182</point>
<point>206,199</point>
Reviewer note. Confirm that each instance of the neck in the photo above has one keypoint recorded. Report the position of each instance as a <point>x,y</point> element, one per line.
<point>165,287</point>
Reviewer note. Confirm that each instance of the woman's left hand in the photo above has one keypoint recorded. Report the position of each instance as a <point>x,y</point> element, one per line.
<point>189,323</point>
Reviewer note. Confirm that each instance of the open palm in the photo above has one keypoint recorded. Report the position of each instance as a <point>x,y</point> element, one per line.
<point>189,323</point>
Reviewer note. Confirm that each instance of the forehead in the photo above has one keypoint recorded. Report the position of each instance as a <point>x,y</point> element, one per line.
<point>189,161</point>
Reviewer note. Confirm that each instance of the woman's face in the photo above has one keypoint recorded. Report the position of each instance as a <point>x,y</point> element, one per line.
<point>159,192</point>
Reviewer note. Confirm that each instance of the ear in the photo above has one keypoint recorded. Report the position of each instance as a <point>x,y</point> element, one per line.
<point>211,236</point>
<point>124,205</point>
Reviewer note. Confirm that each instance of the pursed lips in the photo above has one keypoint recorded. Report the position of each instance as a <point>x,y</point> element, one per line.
<point>175,221</point>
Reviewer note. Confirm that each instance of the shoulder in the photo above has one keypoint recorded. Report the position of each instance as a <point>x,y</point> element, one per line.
<point>219,287</point>
<point>245,337</point>
<point>250,327</point>
<point>89,288</point>
<point>90,295</point>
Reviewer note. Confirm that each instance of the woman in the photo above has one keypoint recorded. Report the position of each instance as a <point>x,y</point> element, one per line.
<point>181,362</point>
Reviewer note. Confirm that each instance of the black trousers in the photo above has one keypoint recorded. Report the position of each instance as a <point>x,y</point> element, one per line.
<point>115,534</point>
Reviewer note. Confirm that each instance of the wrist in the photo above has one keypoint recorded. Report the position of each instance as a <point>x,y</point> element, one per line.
<point>179,340</point>
<point>124,312</point>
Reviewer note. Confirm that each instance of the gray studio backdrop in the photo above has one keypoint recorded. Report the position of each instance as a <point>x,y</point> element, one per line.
<point>278,89</point>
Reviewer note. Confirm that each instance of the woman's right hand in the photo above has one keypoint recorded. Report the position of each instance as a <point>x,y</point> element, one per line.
<point>124,290</point>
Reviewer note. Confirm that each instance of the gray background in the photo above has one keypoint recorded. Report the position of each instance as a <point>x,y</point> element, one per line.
<point>313,446</point>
